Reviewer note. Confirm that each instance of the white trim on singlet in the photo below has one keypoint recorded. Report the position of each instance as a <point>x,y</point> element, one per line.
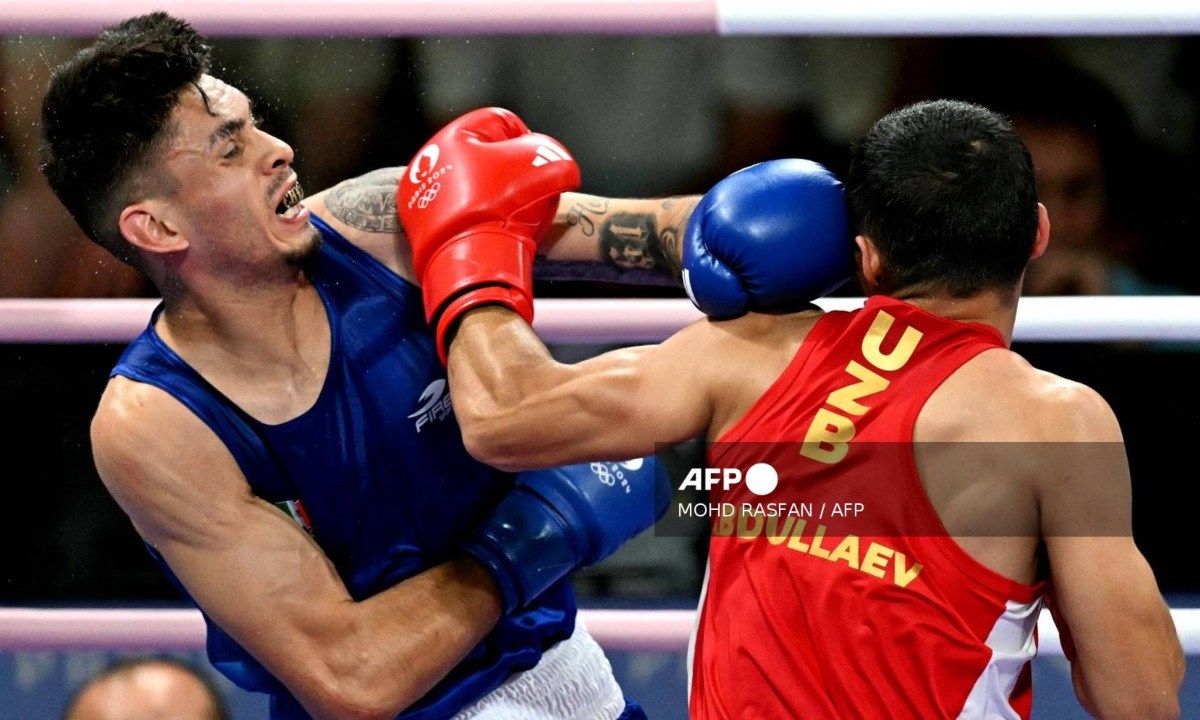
<point>1013,647</point>
<point>691,651</point>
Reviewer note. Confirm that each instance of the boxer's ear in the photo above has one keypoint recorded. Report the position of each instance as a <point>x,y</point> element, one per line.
<point>870,264</point>
<point>1043,233</point>
<point>146,226</point>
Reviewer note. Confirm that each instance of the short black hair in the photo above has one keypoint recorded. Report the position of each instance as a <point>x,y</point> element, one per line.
<point>107,112</point>
<point>127,666</point>
<point>946,191</point>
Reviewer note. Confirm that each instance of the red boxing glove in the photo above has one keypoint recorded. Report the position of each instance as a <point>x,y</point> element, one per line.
<point>474,202</point>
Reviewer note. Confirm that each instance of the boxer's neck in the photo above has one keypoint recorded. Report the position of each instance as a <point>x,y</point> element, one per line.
<point>999,310</point>
<point>270,358</point>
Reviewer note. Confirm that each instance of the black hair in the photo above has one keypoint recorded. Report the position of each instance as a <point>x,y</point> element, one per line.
<point>127,666</point>
<point>107,113</point>
<point>946,191</point>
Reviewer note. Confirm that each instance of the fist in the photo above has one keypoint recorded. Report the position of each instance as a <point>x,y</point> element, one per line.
<point>474,202</point>
<point>556,520</point>
<point>772,237</point>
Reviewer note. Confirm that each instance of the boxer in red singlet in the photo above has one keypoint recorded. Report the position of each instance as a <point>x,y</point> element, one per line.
<point>982,488</point>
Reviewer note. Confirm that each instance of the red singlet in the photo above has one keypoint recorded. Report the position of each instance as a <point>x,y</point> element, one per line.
<point>851,600</point>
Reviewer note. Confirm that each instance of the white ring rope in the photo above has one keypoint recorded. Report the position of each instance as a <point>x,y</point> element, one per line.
<point>1039,319</point>
<point>362,18</point>
<point>169,630</point>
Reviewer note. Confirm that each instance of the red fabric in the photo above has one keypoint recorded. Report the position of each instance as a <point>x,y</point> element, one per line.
<point>860,606</point>
<point>474,201</point>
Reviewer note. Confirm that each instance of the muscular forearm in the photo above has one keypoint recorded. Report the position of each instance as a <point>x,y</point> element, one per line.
<point>616,240</point>
<point>520,409</point>
<point>1143,684</point>
<point>448,611</point>
<point>405,640</point>
<point>1144,680</point>
<point>496,365</point>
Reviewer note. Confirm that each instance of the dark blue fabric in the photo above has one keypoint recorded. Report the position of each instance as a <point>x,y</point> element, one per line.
<point>378,464</point>
<point>632,711</point>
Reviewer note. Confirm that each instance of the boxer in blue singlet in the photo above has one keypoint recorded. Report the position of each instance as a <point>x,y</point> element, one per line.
<point>383,492</point>
<point>281,434</point>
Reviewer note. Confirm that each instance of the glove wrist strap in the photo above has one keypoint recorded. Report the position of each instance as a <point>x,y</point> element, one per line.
<point>487,265</point>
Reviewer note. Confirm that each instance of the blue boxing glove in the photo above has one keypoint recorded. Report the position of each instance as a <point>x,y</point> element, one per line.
<point>772,237</point>
<point>554,521</point>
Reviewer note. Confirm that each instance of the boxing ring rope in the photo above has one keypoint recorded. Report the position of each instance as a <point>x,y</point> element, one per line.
<point>599,321</point>
<point>363,18</point>
<point>1085,319</point>
<point>28,629</point>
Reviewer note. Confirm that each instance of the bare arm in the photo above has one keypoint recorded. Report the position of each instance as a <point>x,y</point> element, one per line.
<point>1104,592</point>
<point>363,210</point>
<point>616,240</point>
<point>519,408</point>
<point>264,580</point>
<point>593,238</point>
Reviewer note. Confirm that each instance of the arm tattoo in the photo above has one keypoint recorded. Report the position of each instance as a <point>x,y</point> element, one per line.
<point>635,247</point>
<point>581,212</point>
<point>672,248</point>
<point>634,241</point>
<point>367,202</point>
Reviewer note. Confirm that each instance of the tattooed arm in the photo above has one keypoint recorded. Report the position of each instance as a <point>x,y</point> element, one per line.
<point>615,240</point>
<point>363,210</point>
<point>593,238</point>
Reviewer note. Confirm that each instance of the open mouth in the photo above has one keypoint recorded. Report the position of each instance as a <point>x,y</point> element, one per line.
<point>289,207</point>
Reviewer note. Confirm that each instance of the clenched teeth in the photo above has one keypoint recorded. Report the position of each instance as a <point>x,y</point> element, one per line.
<point>289,207</point>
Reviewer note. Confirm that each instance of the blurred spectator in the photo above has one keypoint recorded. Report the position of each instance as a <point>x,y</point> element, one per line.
<point>1141,71</point>
<point>1092,166</point>
<point>45,253</point>
<point>1088,161</point>
<point>147,689</point>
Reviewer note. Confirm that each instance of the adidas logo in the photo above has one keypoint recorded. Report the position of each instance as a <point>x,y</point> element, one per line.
<point>547,154</point>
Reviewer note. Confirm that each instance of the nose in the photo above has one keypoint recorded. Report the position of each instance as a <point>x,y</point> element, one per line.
<point>278,155</point>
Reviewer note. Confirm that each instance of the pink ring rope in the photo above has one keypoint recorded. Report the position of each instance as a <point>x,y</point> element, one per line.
<point>598,321</point>
<point>170,630</point>
<point>378,18</point>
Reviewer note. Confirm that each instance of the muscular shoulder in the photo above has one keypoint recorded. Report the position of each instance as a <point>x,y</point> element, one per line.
<point>156,457</point>
<point>765,332</point>
<point>131,415</point>
<point>363,210</point>
<point>363,204</point>
<point>753,340</point>
<point>998,396</point>
<point>745,356</point>
<point>1071,411</point>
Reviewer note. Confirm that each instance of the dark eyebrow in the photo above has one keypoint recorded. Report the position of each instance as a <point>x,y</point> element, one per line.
<point>227,129</point>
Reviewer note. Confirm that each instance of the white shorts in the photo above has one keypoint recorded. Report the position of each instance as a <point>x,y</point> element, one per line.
<point>573,681</point>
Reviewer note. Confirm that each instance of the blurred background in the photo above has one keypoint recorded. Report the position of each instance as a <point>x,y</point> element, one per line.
<point>1113,125</point>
